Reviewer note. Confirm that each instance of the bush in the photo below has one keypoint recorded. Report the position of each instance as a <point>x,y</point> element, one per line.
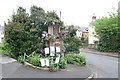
<point>69,58</point>
<point>76,59</point>
<point>53,67</point>
<point>62,63</point>
<point>118,51</point>
<point>72,44</point>
<point>34,59</point>
<point>80,59</point>
<point>4,49</point>
<point>1,50</point>
<point>21,59</point>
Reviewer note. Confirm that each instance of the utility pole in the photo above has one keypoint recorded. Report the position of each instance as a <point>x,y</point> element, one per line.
<point>60,15</point>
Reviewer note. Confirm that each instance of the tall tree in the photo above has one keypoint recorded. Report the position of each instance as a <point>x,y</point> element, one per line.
<point>23,31</point>
<point>14,34</point>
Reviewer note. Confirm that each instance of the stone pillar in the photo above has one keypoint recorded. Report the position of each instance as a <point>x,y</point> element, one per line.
<point>62,47</point>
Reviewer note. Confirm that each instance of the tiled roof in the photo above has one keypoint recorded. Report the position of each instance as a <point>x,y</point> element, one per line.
<point>82,29</point>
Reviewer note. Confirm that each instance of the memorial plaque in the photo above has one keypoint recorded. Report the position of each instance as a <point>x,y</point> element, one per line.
<point>42,60</point>
<point>57,49</point>
<point>46,61</point>
<point>52,51</point>
<point>46,50</point>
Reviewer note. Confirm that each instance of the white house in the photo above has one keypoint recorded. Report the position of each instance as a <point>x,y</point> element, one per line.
<point>79,33</point>
<point>92,39</point>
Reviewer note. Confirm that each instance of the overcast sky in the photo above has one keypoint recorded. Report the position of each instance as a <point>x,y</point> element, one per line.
<point>76,12</point>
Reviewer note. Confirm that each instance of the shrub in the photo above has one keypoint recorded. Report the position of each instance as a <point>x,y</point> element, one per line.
<point>1,50</point>
<point>80,60</point>
<point>21,59</point>
<point>69,58</point>
<point>118,51</point>
<point>34,59</point>
<point>72,44</point>
<point>76,59</point>
<point>62,63</point>
<point>53,67</point>
<point>4,49</point>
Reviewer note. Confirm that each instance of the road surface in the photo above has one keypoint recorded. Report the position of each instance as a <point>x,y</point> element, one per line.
<point>103,66</point>
<point>12,69</point>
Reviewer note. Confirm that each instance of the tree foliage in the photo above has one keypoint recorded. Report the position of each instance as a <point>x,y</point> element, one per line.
<point>71,43</point>
<point>23,31</point>
<point>107,30</point>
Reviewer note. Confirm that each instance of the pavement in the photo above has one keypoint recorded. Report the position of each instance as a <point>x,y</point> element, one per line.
<point>12,69</point>
<point>111,54</point>
<point>5,59</point>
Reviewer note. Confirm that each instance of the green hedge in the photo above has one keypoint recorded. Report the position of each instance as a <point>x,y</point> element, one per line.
<point>108,32</point>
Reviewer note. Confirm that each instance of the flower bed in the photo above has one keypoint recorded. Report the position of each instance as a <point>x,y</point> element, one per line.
<point>34,59</point>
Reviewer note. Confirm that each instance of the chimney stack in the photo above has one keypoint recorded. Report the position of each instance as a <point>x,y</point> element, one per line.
<point>93,17</point>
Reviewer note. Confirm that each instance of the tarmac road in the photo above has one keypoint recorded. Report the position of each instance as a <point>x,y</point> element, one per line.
<point>12,69</point>
<point>103,66</point>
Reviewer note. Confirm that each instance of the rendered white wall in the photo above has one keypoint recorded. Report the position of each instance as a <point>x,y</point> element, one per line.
<point>92,38</point>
